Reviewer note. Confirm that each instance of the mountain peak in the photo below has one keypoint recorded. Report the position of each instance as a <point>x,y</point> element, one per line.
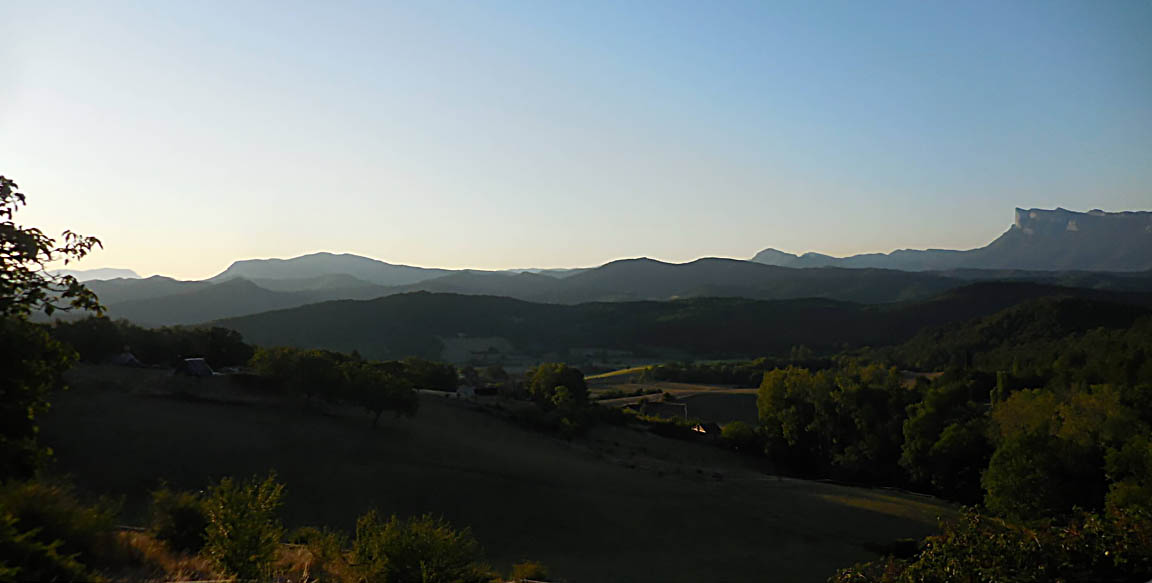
<point>1038,240</point>
<point>325,263</point>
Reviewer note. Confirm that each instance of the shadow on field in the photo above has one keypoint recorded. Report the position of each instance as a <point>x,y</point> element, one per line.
<point>617,506</point>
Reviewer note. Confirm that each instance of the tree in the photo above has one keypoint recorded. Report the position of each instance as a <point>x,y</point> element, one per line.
<point>379,387</point>
<point>32,362</point>
<point>544,381</point>
<point>26,285</point>
<point>945,442</point>
<point>428,374</point>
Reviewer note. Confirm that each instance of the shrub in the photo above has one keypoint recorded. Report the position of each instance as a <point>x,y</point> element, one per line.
<point>529,570</point>
<point>1097,548</point>
<point>85,532</point>
<point>420,550</point>
<point>26,557</point>
<point>180,519</point>
<point>243,531</point>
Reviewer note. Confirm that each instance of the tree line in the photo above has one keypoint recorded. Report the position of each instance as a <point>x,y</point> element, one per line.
<point>1041,420</point>
<point>378,386</point>
<point>98,339</point>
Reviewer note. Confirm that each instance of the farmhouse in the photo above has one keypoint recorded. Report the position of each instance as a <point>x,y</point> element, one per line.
<point>193,367</point>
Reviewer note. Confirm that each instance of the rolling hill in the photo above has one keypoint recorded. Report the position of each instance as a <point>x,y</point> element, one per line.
<point>196,302</point>
<point>421,323</point>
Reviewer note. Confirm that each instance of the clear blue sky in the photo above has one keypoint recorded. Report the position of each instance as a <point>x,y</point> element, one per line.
<point>495,135</point>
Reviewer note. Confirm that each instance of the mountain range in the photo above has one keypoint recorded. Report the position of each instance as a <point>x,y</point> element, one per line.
<point>1040,247</point>
<point>1038,240</point>
<point>98,273</point>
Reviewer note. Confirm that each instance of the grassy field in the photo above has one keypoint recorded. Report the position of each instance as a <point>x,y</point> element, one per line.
<point>617,506</point>
<point>617,373</point>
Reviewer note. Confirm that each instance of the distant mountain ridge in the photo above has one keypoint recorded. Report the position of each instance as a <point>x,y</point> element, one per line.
<point>1038,240</point>
<point>159,300</point>
<point>325,264</point>
<point>1093,250</point>
<point>98,273</point>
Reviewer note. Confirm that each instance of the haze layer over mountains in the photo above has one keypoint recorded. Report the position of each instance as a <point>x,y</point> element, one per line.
<point>1097,250</point>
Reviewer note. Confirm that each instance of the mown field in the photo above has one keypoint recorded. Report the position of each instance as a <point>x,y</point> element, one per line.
<point>619,505</point>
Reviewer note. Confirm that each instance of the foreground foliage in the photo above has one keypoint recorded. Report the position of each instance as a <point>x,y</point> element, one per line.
<point>25,285</point>
<point>419,550</point>
<point>975,548</point>
<point>31,362</point>
<point>47,533</point>
<point>243,531</point>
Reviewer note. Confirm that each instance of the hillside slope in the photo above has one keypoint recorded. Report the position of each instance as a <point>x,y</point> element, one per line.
<point>638,508</point>
<point>197,302</point>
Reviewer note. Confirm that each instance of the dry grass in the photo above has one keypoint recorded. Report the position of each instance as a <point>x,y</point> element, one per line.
<point>616,373</point>
<point>153,561</point>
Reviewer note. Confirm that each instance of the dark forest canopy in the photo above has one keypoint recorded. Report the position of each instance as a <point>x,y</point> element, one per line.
<point>414,324</point>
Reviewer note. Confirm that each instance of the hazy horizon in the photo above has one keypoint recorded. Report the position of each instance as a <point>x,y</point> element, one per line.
<point>515,135</point>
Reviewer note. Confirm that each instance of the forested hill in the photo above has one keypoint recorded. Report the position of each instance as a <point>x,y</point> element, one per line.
<point>418,323</point>
<point>1029,336</point>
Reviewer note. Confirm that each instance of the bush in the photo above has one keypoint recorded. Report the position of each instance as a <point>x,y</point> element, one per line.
<point>24,556</point>
<point>1090,548</point>
<point>529,570</point>
<point>48,533</point>
<point>84,530</point>
<point>420,550</point>
<point>243,531</point>
<point>180,519</point>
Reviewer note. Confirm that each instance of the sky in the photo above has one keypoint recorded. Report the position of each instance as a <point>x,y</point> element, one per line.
<point>558,134</point>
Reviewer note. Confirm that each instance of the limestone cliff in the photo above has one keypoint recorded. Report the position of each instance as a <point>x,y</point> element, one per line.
<point>1039,239</point>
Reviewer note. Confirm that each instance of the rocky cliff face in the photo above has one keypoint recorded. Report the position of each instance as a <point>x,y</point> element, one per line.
<point>1053,222</point>
<point>1039,240</point>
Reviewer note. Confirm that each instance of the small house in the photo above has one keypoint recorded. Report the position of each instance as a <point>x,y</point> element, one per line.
<point>193,367</point>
